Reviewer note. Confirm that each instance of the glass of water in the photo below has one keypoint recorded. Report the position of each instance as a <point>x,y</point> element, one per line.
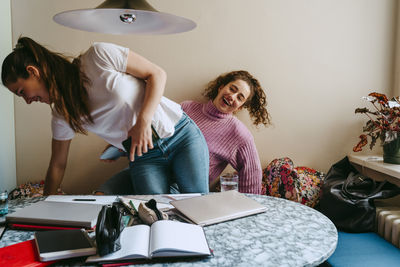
<point>3,203</point>
<point>229,181</point>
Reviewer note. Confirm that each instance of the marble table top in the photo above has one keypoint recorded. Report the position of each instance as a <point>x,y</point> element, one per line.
<point>288,234</point>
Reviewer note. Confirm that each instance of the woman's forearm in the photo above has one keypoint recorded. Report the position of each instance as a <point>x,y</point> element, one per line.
<point>155,78</point>
<point>57,166</point>
<point>155,85</point>
<point>53,180</point>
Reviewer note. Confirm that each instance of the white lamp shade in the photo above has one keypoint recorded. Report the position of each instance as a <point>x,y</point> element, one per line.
<point>111,21</point>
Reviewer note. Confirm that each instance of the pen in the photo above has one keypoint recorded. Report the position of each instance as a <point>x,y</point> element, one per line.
<point>84,199</point>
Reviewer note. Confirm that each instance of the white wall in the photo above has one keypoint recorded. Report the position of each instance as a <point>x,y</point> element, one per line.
<point>315,58</point>
<point>7,131</point>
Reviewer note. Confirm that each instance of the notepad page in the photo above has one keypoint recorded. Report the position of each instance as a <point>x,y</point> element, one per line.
<point>134,245</point>
<point>177,236</point>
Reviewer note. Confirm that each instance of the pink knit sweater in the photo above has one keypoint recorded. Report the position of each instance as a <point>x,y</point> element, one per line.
<point>228,141</point>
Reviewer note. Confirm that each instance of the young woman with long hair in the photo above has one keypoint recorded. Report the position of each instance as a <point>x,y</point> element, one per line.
<point>117,94</point>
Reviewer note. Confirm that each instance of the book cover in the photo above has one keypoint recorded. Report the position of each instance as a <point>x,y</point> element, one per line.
<point>21,254</point>
<point>56,214</point>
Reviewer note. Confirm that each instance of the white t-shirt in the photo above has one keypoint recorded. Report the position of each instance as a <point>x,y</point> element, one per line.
<point>115,98</point>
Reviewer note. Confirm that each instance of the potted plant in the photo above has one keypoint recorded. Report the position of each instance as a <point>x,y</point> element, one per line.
<point>383,124</point>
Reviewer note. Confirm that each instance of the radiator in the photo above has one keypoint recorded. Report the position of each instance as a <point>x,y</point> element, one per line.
<point>388,224</point>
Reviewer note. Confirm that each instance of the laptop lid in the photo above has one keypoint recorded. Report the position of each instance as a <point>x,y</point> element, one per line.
<point>57,213</point>
<point>217,207</point>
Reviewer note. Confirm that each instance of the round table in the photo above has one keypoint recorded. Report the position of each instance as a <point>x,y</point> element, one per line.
<point>287,234</point>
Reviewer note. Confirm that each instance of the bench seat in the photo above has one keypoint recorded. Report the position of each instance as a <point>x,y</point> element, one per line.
<point>364,249</point>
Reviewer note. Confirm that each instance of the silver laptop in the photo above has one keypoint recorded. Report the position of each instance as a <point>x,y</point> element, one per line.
<point>216,207</point>
<point>57,213</point>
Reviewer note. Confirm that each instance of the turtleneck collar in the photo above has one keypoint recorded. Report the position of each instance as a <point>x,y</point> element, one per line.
<point>211,111</point>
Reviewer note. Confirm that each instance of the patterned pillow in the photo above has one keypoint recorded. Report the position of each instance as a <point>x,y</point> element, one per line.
<point>29,189</point>
<point>310,185</point>
<point>280,179</point>
<point>300,184</point>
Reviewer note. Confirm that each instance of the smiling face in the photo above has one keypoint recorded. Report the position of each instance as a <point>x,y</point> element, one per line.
<point>31,89</point>
<point>232,96</point>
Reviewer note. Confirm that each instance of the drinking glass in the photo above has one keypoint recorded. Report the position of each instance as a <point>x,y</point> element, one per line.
<point>229,181</point>
<point>3,203</point>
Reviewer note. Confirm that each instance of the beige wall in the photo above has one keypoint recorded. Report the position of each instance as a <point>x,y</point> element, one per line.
<point>315,58</point>
<point>396,64</point>
<point>7,129</point>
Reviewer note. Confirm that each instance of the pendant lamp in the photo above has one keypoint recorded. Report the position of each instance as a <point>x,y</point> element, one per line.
<point>124,17</point>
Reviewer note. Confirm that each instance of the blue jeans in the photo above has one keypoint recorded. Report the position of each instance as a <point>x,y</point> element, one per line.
<point>121,184</point>
<point>182,159</point>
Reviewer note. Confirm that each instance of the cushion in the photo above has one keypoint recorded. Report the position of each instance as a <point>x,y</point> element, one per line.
<point>280,179</point>
<point>364,249</point>
<point>30,189</point>
<point>310,185</point>
<point>301,184</point>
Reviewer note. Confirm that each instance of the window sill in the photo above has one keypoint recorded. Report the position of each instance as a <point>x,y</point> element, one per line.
<point>374,167</point>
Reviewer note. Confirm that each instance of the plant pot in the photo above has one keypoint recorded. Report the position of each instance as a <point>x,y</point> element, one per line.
<point>391,152</point>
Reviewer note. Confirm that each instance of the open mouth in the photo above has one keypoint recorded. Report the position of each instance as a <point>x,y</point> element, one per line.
<point>226,101</point>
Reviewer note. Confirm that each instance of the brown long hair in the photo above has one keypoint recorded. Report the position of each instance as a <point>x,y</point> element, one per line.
<point>256,104</point>
<point>63,79</point>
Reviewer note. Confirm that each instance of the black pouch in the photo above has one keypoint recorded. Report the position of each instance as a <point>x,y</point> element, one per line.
<point>108,229</point>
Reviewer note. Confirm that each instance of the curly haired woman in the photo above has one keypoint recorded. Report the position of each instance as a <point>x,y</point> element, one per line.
<point>228,139</point>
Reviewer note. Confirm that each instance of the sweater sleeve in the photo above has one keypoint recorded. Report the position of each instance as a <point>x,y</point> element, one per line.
<point>249,168</point>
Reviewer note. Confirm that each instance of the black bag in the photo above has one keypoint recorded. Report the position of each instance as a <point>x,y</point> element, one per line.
<point>108,229</point>
<point>348,197</point>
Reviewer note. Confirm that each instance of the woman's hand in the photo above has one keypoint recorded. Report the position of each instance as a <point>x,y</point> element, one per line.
<point>141,136</point>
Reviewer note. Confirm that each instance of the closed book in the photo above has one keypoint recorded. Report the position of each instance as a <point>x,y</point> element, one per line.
<point>21,254</point>
<point>56,214</point>
<point>63,244</point>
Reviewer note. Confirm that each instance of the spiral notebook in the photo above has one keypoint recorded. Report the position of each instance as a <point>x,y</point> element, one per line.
<point>216,207</point>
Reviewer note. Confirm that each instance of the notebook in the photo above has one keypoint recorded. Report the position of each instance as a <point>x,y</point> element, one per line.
<point>164,238</point>
<point>63,244</point>
<point>217,207</point>
<point>56,213</point>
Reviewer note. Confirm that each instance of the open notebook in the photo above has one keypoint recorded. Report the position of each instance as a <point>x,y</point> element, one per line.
<point>216,207</point>
<point>162,239</point>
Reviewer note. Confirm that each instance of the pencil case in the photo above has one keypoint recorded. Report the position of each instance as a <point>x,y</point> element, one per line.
<point>108,229</point>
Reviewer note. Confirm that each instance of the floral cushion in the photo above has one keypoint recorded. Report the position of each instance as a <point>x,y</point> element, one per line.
<point>301,184</point>
<point>310,186</point>
<point>29,189</point>
<point>280,179</point>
